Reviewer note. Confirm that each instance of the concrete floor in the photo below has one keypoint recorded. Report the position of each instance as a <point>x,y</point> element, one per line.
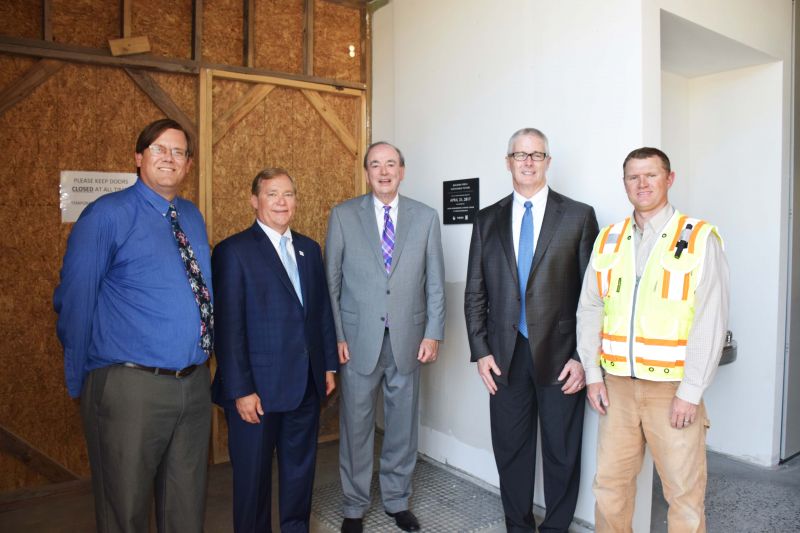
<point>740,497</point>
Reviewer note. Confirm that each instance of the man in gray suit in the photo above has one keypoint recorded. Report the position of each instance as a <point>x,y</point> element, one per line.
<point>526,262</point>
<point>386,277</point>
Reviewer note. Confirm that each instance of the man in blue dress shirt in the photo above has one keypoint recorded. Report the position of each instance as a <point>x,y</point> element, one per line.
<point>136,322</point>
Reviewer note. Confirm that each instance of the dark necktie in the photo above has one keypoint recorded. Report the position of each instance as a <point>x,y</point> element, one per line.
<point>201,294</point>
<point>524,259</point>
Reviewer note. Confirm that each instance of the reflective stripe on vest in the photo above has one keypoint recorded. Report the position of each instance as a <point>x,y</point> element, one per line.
<point>657,309</point>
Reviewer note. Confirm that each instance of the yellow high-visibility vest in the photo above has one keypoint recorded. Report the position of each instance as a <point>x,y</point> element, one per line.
<point>646,322</point>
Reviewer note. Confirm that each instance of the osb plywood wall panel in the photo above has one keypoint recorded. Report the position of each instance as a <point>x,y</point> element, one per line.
<point>285,131</point>
<point>279,35</point>
<point>223,21</point>
<point>85,22</point>
<point>83,118</point>
<point>336,28</point>
<point>168,25</point>
<point>21,18</point>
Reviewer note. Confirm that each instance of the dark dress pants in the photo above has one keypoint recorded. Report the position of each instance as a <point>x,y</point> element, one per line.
<point>294,434</point>
<point>147,434</point>
<point>514,410</point>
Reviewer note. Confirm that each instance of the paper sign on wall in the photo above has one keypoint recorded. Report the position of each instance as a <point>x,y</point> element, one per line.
<point>79,188</point>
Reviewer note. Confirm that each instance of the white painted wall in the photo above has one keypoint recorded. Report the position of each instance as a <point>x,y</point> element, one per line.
<point>453,79</point>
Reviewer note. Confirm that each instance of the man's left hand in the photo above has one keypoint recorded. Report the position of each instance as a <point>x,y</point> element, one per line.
<point>574,376</point>
<point>330,382</point>
<point>682,413</point>
<point>428,351</point>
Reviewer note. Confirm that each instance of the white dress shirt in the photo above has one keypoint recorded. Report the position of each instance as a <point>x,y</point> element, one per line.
<point>275,239</point>
<point>539,201</point>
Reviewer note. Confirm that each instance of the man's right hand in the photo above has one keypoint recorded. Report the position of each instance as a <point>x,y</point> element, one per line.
<point>249,407</point>
<point>344,352</point>
<point>486,366</point>
<point>598,396</point>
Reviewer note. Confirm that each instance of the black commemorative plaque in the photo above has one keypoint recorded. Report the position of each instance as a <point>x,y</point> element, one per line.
<point>460,201</point>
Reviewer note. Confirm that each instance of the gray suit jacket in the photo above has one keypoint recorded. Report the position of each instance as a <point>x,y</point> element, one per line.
<point>492,299</point>
<point>362,294</point>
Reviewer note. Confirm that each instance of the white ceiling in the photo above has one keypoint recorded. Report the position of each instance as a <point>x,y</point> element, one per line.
<point>690,50</point>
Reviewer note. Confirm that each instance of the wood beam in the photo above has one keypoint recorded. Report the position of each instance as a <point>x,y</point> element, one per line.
<point>197,30</point>
<point>29,497</point>
<point>300,82</point>
<point>249,32</point>
<point>93,56</point>
<point>47,21</point>
<point>34,458</point>
<point>332,120</point>
<point>162,100</point>
<point>81,54</point>
<point>356,4</point>
<point>254,96</point>
<point>126,12</point>
<point>308,38</point>
<point>206,152</point>
<point>36,75</point>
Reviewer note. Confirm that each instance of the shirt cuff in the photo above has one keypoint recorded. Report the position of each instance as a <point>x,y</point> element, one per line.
<point>688,392</point>
<point>593,375</point>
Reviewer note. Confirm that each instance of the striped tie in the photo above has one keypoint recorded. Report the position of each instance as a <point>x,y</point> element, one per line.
<point>387,239</point>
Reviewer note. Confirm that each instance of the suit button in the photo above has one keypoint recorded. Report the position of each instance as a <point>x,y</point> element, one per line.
<point>388,292</point>
<point>514,327</point>
<point>382,319</point>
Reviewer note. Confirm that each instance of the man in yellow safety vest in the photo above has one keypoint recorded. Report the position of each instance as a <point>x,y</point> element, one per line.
<point>653,315</point>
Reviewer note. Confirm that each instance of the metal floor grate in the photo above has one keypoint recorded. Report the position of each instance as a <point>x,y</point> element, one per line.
<point>443,502</point>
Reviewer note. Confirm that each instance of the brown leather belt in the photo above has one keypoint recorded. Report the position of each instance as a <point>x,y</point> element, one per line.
<point>163,371</point>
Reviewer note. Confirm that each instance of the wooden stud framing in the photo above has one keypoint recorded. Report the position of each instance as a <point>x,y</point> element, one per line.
<point>332,120</point>
<point>240,109</point>
<point>47,21</point>
<point>40,462</point>
<point>94,56</point>
<point>197,30</point>
<point>249,32</point>
<point>37,75</point>
<point>125,6</point>
<point>308,38</point>
<point>162,100</point>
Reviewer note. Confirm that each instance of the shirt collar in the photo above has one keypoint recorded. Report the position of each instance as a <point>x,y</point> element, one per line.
<point>273,235</point>
<point>657,221</point>
<point>379,204</point>
<point>537,199</point>
<point>160,203</point>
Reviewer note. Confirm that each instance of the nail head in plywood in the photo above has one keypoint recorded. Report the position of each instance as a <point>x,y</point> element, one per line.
<point>129,46</point>
<point>332,120</point>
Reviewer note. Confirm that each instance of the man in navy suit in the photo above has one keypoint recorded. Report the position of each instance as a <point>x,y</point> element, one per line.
<point>276,356</point>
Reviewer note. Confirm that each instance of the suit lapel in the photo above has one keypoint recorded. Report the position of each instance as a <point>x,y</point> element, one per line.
<point>272,259</point>
<point>370,226</point>
<point>405,218</point>
<point>506,235</point>
<point>553,214</point>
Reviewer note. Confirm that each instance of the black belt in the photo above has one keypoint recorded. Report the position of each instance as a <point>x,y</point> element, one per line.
<point>163,371</point>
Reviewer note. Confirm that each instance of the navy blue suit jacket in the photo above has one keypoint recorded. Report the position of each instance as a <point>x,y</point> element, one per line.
<point>265,339</point>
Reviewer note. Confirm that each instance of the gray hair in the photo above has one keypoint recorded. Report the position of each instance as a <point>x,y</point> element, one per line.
<point>525,132</point>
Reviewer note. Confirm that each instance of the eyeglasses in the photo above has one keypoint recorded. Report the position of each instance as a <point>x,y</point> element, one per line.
<point>522,156</point>
<point>178,154</point>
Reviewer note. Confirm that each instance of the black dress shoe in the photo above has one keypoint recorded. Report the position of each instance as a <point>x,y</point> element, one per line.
<point>352,525</point>
<point>405,520</point>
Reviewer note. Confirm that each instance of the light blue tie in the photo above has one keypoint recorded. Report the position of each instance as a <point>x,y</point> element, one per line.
<point>524,260</point>
<point>291,267</point>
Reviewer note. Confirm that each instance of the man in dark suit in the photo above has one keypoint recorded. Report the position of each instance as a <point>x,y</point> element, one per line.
<point>276,356</point>
<point>526,262</point>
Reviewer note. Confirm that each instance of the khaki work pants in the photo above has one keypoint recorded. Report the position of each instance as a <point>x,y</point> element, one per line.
<point>639,414</point>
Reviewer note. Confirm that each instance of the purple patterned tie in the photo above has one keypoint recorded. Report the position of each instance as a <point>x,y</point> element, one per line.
<point>387,239</point>
<point>201,294</point>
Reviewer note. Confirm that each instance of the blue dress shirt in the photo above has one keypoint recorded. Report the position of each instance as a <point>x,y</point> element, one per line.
<point>124,295</point>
